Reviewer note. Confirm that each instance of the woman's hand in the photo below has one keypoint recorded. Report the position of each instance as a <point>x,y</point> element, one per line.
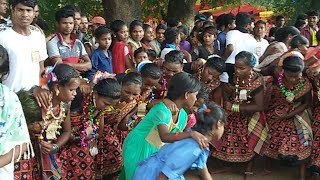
<point>172,106</point>
<point>46,148</point>
<point>85,88</point>
<point>201,139</point>
<point>43,97</point>
<point>227,105</point>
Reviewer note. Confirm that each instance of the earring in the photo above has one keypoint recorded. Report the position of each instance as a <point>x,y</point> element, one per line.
<point>57,92</point>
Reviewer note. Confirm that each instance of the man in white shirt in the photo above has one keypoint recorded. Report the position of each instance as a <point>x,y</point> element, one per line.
<point>238,40</point>
<point>259,34</point>
<point>26,47</point>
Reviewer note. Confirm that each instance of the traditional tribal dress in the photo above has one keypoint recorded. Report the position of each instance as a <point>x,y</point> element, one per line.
<point>212,85</point>
<point>315,154</point>
<point>290,139</point>
<point>246,134</point>
<point>109,159</point>
<point>77,160</point>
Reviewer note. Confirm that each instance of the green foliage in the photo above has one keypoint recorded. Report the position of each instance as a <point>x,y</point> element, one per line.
<point>49,7</point>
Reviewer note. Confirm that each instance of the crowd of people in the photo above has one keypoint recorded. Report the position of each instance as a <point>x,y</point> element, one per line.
<point>98,101</point>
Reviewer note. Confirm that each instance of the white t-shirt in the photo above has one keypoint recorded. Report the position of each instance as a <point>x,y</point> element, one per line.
<point>261,47</point>
<point>25,53</point>
<point>164,52</point>
<point>241,42</point>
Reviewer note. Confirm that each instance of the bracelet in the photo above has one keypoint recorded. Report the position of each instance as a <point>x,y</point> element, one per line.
<point>56,148</point>
<point>176,135</point>
<point>235,108</point>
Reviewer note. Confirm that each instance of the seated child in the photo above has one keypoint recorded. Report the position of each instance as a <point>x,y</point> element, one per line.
<point>174,159</point>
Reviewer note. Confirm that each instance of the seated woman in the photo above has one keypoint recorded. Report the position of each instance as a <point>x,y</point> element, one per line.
<point>174,159</point>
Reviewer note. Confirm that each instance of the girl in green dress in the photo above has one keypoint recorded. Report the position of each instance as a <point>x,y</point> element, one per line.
<point>161,126</point>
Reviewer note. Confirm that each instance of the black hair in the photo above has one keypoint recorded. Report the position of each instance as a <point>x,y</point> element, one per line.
<point>210,30</point>
<point>216,63</point>
<point>302,17</point>
<point>182,83</point>
<point>151,70</point>
<point>101,30</point>
<point>293,64</point>
<point>228,19</point>
<point>152,53</point>
<point>73,8</point>
<point>4,62</point>
<point>132,78</point>
<point>161,26</point>
<point>207,14</point>
<point>299,23</point>
<point>318,36</point>
<point>206,120</point>
<point>28,3</point>
<point>135,23</point>
<point>42,24</point>
<point>173,22</point>
<point>184,29</point>
<point>298,40</point>
<point>174,56</point>
<point>138,51</point>
<point>63,13</point>
<point>200,17</point>
<point>116,25</point>
<point>171,35</point>
<point>31,109</point>
<point>247,57</point>
<point>261,22</point>
<point>243,19</point>
<point>108,88</point>
<point>279,17</point>
<point>313,13</point>
<point>220,20</point>
<point>64,74</point>
<point>204,93</point>
<point>282,34</point>
<point>146,27</point>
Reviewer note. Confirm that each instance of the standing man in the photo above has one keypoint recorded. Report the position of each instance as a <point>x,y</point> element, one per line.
<point>4,22</point>
<point>312,28</point>
<point>64,47</point>
<point>26,47</point>
<point>280,21</point>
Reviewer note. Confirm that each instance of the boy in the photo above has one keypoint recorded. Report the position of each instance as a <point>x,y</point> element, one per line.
<point>259,34</point>
<point>101,58</point>
<point>311,30</point>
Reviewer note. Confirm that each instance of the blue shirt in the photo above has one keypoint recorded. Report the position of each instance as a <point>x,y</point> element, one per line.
<point>173,160</point>
<point>222,39</point>
<point>100,62</point>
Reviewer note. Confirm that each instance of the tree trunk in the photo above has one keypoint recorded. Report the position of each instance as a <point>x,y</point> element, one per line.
<point>183,10</point>
<point>125,10</point>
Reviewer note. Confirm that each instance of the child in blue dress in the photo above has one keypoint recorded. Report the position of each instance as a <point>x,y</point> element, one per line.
<point>174,159</point>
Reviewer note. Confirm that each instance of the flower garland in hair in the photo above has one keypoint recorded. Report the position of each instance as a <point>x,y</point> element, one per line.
<point>289,94</point>
<point>98,76</point>
<point>48,76</point>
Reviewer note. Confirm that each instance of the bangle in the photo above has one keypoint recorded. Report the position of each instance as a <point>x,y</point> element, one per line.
<point>56,148</point>
<point>235,108</point>
<point>176,135</point>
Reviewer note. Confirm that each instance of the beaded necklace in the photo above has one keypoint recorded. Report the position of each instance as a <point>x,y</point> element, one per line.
<point>52,123</point>
<point>243,94</point>
<point>289,94</point>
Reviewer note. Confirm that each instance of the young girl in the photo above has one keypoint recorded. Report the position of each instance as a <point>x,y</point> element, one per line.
<point>136,34</point>
<point>14,138</point>
<point>148,37</point>
<point>209,75</point>
<point>289,116</point>
<point>246,128</point>
<point>208,36</point>
<point>82,147</point>
<point>174,159</point>
<point>117,124</point>
<point>120,50</point>
<point>157,43</point>
<point>62,82</point>
<point>160,126</point>
<point>184,33</point>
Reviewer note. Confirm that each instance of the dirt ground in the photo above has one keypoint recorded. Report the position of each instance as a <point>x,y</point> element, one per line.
<point>278,172</point>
